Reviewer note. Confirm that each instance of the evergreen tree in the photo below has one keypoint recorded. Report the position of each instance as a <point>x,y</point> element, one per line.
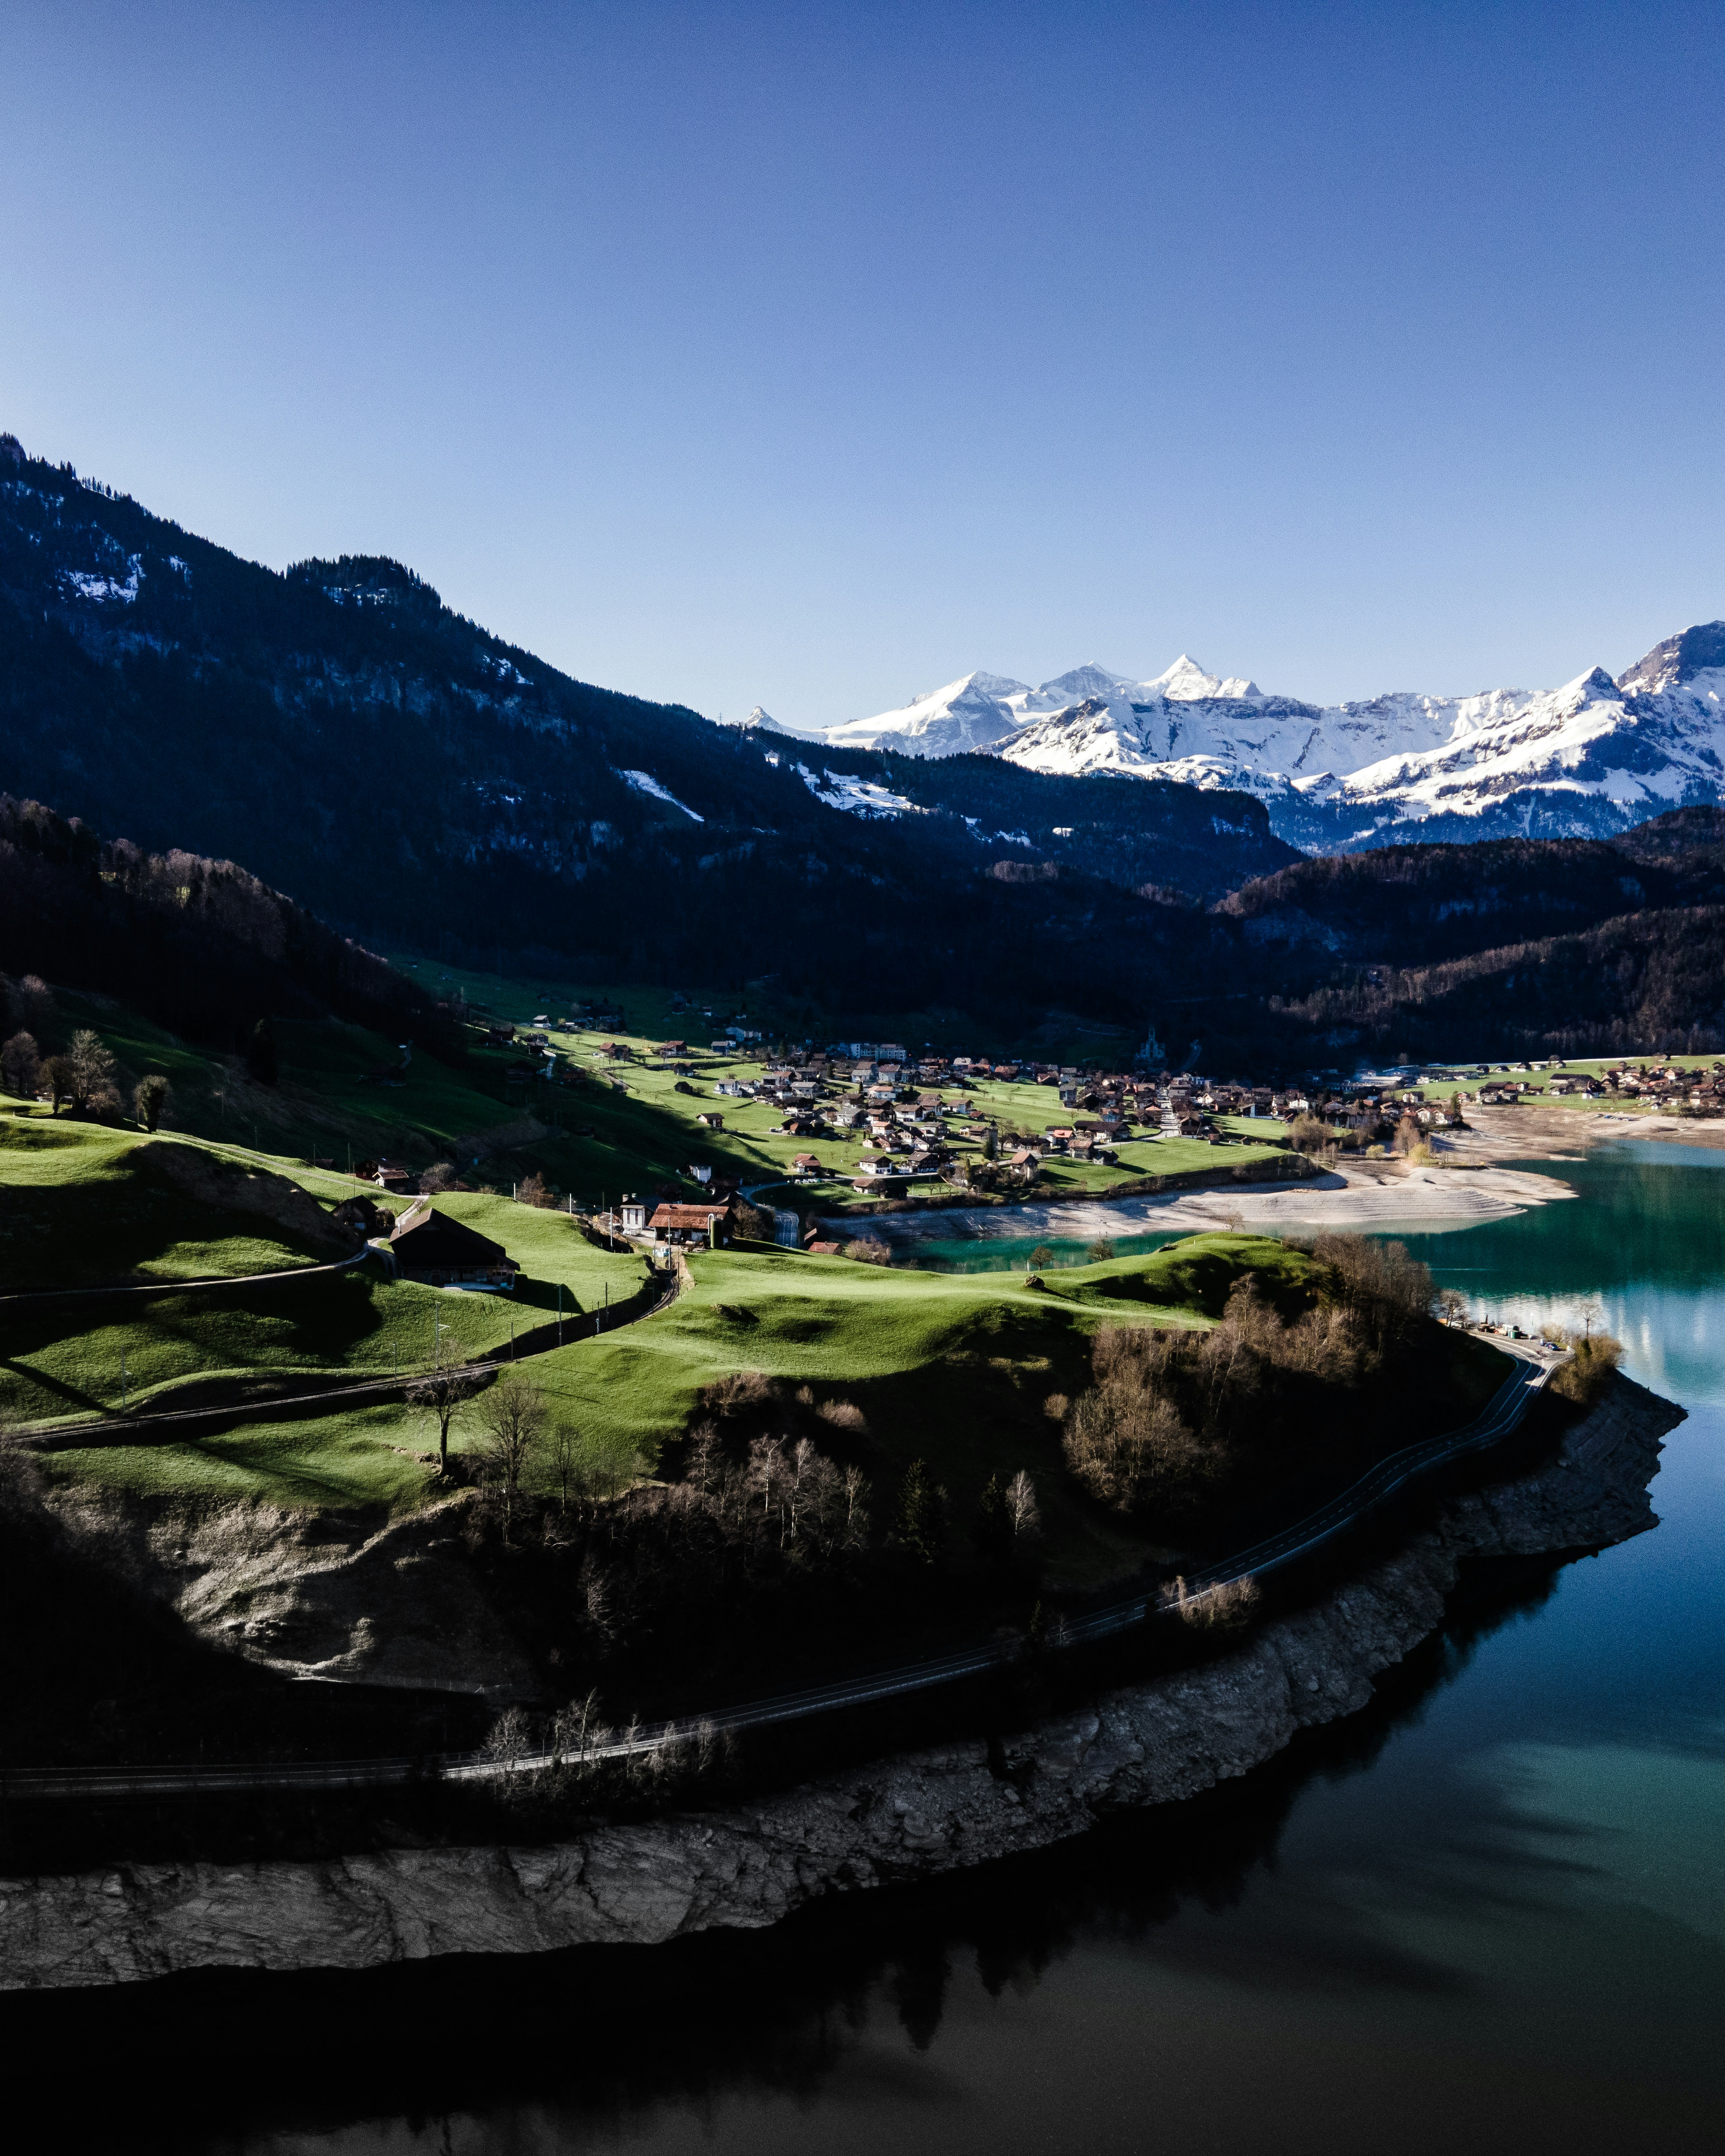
<point>262,1058</point>
<point>922,1513</point>
<point>991,1530</point>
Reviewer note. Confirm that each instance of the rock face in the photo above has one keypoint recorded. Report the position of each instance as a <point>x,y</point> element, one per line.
<point>336,1597</point>
<point>897,1819</point>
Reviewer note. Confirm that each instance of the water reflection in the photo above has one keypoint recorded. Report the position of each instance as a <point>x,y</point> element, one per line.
<point>1484,1912</point>
<point>587,2041</point>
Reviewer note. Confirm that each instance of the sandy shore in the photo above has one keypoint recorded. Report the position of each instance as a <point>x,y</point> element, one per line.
<point>1470,1183</point>
<point>1459,1194</point>
<point>1560,1133</point>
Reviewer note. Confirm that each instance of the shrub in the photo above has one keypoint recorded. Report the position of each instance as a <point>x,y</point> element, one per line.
<point>1229,1607</point>
<point>1585,1376</point>
<point>868,1250</point>
<point>150,1099</point>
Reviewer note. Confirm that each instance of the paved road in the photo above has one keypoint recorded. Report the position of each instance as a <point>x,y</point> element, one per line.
<point>39,1298</point>
<point>1499,1416</point>
<point>119,1429</point>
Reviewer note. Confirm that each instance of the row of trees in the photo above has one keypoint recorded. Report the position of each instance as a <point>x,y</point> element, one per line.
<point>84,1080</point>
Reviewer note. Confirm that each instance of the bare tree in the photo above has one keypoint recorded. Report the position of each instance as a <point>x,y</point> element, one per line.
<point>577,1731</point>
<point>92,1068</point>
<point>34,1007</point>
<point>1021,1507</point>
<point>1227,1607</point>
<point>439,1394</point>
<point>1452,1305</point>
<point>509,1740</point>
<point>60,1079</point>
<point>514,1414</point>
<point>566,1462</point>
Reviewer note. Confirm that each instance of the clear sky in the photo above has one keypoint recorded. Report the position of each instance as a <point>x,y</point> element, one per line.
<point>811,355</point>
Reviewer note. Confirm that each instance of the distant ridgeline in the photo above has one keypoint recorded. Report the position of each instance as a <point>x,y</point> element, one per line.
<point>400,772</point>
<point>198,945</point>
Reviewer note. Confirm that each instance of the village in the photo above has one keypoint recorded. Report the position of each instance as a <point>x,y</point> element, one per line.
<point>854,1125</point>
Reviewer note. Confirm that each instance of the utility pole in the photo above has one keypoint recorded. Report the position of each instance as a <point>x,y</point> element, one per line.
<point>560,1313</point>
<point>125,1386</point>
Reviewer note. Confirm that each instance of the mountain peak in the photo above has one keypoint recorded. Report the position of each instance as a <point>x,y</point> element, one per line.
<point>1678,660</point>
<point>1188,682</point>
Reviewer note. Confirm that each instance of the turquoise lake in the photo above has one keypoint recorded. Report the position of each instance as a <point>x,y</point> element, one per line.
<point>1488,1913</point>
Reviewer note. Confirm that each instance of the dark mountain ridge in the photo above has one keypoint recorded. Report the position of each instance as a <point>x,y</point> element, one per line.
<point>398,770</point>
<point>359,745</point>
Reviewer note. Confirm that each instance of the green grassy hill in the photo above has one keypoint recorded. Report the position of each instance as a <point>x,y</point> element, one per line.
<point>86,1206</point>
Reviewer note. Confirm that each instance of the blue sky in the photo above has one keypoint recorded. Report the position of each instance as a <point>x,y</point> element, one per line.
<point>812,355</point>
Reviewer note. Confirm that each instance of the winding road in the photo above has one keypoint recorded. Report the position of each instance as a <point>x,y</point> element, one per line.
<point>123,1428</point>
<point>1500,1415</point>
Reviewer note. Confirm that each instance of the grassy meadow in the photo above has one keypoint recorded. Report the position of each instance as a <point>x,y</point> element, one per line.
<point>951,1369</point>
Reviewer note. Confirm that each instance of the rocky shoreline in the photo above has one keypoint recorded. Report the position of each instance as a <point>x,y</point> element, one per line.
<point>896,1819</point>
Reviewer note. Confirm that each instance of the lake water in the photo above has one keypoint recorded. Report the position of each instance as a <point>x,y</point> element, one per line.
<point>1487,1914</point>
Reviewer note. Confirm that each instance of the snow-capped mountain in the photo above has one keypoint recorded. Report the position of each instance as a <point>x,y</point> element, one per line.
<point>987,710</point>
<point>761,721</point>
<point>1593,757</point>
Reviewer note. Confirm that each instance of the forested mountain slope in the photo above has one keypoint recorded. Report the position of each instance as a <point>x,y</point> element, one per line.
<point>359,746</point>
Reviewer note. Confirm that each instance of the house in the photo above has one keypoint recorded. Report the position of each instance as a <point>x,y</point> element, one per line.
<point>805,1164</point>
<point>633,1217</point>
<point>363,1218</point>
<point>387,1177</point>
<point>429,1247</point>
<point>711,1122</point>
<point>691,1224</point>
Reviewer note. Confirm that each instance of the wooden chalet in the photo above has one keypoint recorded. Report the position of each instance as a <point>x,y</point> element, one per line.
<point>432,1248</point>
<point>691,1224</point>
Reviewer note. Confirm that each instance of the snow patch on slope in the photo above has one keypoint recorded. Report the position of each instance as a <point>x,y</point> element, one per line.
<point>106,588</point>
<point>856,797</point>
<point>641,781</point>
